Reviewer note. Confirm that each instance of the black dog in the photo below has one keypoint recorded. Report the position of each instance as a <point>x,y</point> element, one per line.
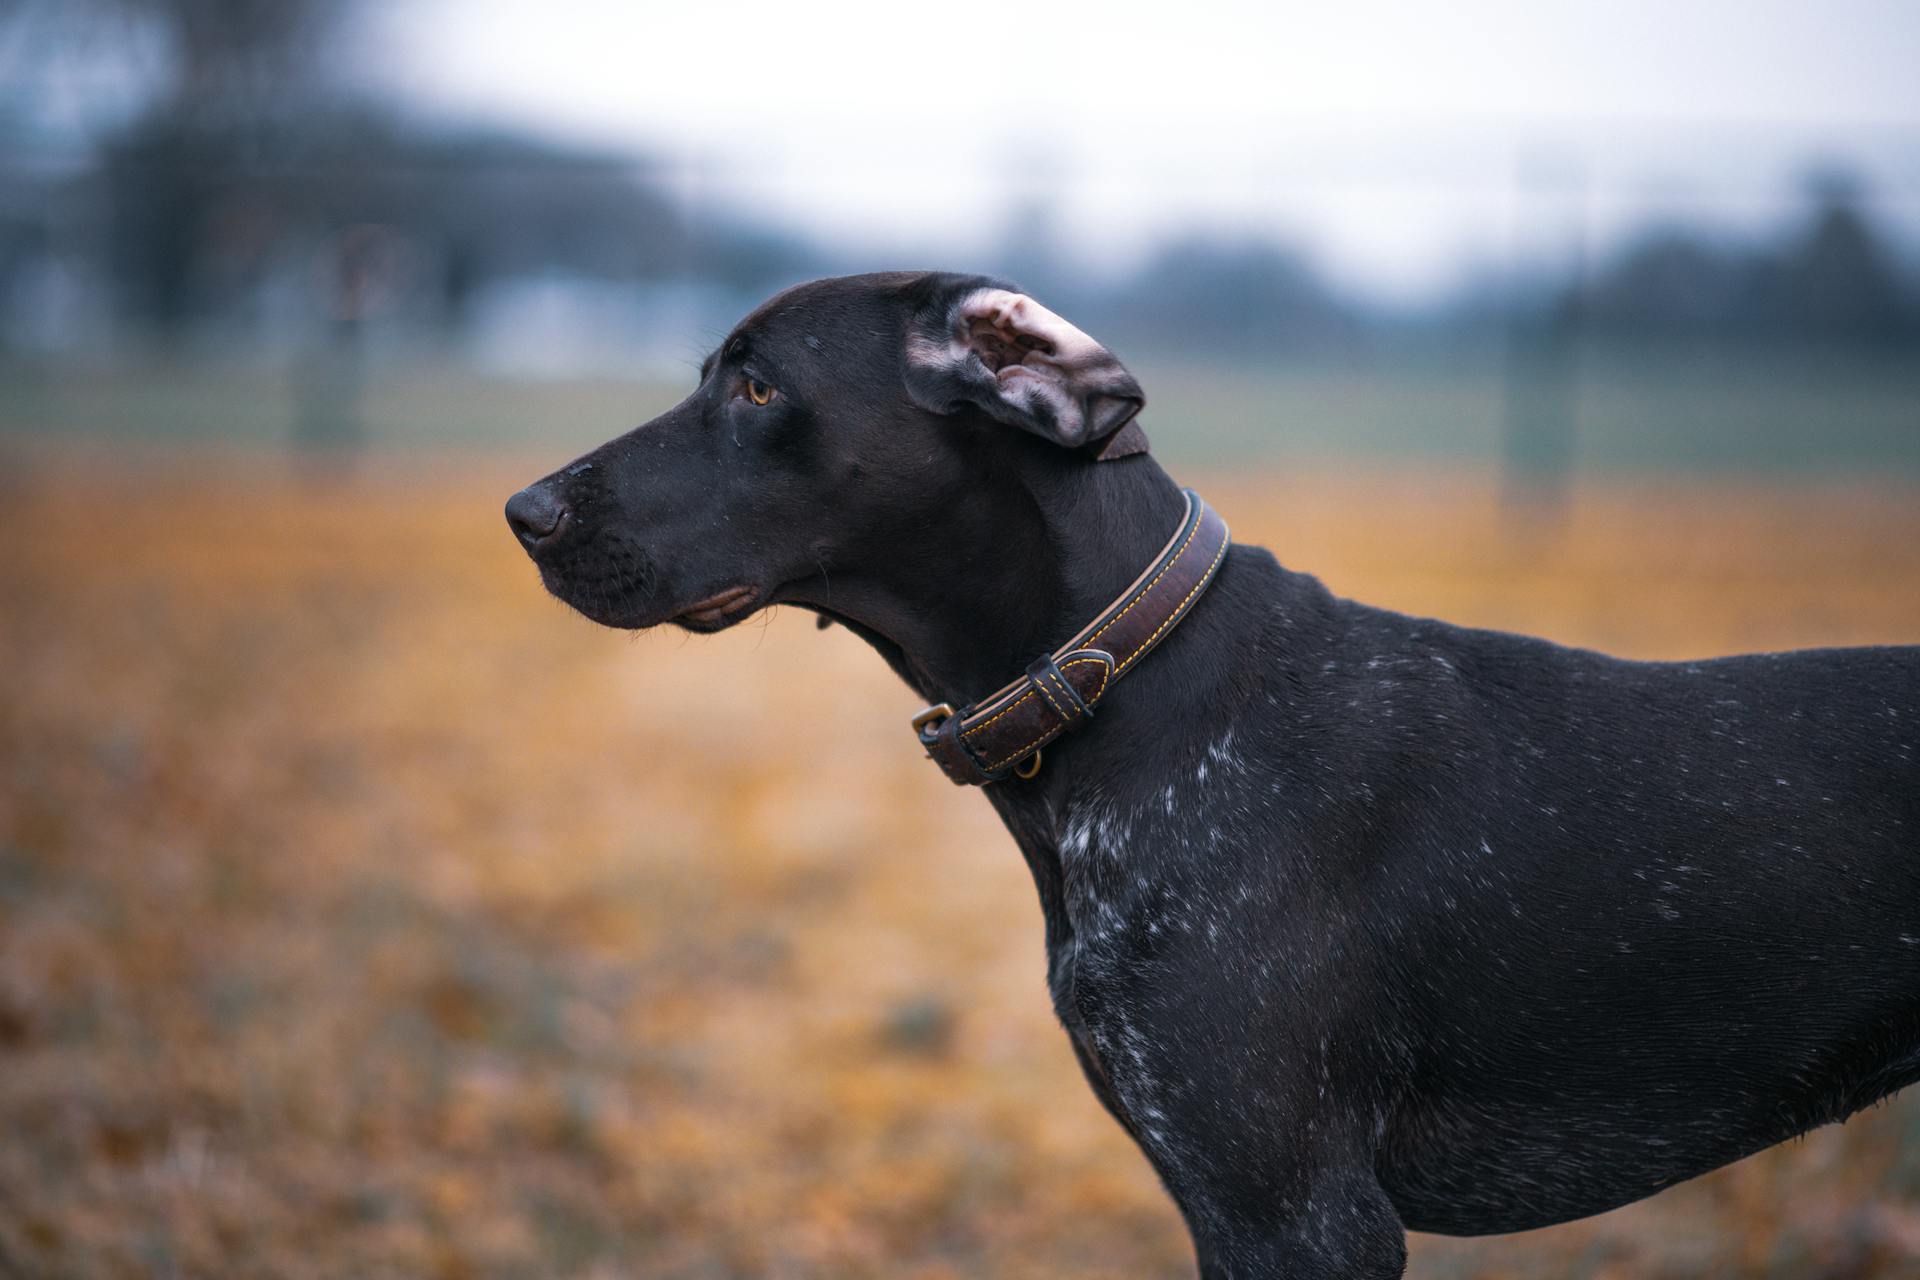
<point>1356,921</point>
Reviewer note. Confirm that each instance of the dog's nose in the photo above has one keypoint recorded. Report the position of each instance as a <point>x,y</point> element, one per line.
<point>535,514</point>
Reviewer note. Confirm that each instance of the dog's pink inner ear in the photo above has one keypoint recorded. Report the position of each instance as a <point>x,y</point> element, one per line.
<point>1050,376</point>
<point>998,348</point>
<point>1005,354</point>
<point>1006,329</point>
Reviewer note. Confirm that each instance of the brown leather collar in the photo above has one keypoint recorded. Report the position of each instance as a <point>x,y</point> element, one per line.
<point>1003,733</point>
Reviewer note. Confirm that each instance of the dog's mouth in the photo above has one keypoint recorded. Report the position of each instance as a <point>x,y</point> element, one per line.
<point>612,578</point>
<point>722,609</point>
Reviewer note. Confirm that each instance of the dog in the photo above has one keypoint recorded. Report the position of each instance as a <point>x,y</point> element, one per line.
<point>1356,922</point>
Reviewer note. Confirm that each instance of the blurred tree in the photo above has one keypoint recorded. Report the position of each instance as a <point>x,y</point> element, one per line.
<point>249,153</point>
<point>241,59</point>
<point>1836,281</point>
<point>1228,298</point>
<point>1671,280</point>
<point>235,79</point>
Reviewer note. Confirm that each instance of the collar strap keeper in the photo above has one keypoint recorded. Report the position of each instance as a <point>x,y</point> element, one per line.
<point>1003,733</point>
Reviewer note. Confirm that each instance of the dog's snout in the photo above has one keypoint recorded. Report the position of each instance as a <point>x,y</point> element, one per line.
<point>536,514</point>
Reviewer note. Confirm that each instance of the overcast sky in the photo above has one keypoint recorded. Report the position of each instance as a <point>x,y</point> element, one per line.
<point>1398,141</point>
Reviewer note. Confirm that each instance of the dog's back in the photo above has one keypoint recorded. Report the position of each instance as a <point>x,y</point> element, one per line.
<point>1645,918</point>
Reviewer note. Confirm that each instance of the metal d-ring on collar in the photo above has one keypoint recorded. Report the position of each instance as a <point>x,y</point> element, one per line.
<point>1003,733</point>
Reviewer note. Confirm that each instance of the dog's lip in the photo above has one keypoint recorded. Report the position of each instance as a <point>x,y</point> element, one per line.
<point>715,608</point>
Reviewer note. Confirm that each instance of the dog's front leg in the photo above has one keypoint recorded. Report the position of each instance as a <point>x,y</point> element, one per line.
<point>1097,1079</point>
<point>1234,1103</point>
<point>1268,1187</point>
<point>1345,1229</point>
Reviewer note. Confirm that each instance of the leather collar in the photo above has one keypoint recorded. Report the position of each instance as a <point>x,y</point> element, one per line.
<point>1003,733</point>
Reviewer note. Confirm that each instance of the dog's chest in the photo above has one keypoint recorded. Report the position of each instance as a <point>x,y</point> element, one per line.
<point>1114,866</point>
<point>1142,922</point>
<point>1144,871</point>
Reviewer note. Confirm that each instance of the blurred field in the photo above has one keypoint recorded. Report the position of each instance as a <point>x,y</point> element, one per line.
<point>1665,407</point>
<point>364,913</point>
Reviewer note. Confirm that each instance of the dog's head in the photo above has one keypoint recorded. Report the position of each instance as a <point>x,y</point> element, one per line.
<point>842,421</point>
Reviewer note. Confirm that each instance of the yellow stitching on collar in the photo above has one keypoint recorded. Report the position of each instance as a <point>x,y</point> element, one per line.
<point>1204,579</point>
<point>1049,735</point>
<point>1148,589</point>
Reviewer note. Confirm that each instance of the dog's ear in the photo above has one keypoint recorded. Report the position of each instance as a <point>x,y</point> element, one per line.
<point>1004,353</point>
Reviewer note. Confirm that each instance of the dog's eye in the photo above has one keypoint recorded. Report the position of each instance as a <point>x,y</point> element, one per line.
<point>758,392</point>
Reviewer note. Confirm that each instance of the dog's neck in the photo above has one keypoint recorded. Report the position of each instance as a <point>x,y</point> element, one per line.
<point>1015,577</point>
<point>1013,574</point>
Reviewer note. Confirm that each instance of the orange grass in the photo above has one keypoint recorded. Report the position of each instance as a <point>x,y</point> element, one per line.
<point>364,913</point>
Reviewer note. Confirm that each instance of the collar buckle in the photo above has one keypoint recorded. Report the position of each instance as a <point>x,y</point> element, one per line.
<point>931,716</point>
